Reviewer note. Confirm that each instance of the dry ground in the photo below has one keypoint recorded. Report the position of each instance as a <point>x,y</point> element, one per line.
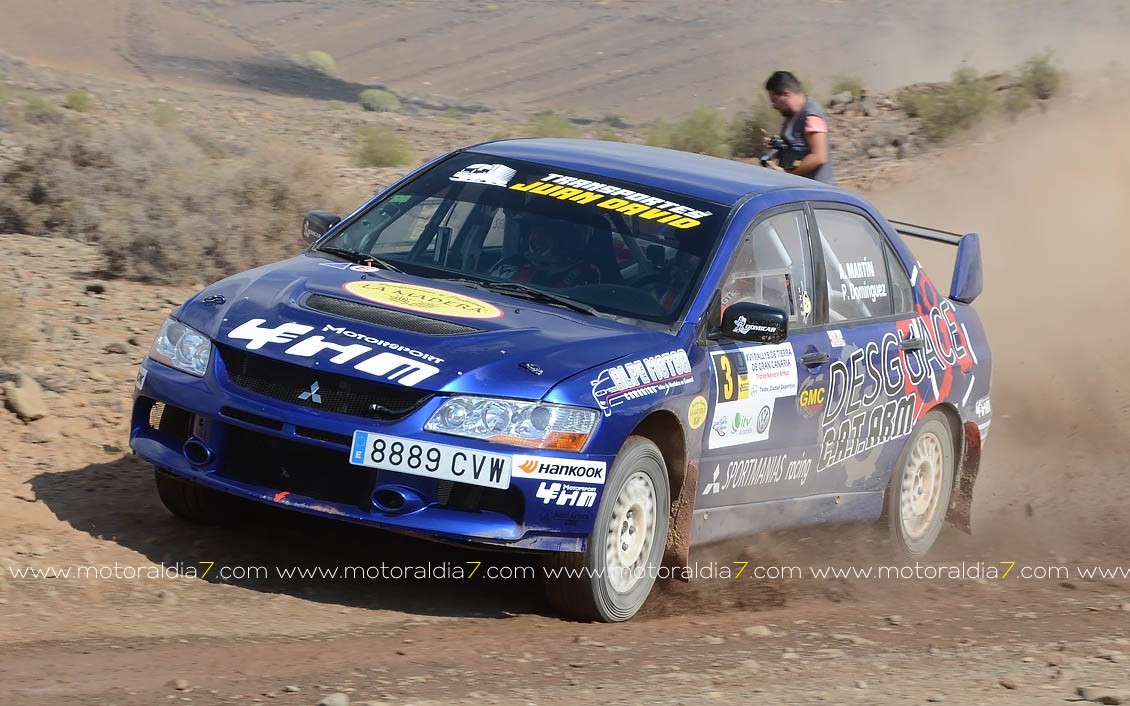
<point>1048,194</point>
<point>637,58</point>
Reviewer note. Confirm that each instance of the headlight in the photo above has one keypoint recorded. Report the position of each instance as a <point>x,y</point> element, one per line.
<point>533,424</point>
<point>181,347</point>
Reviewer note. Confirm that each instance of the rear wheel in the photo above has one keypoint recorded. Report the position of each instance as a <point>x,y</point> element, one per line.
<point>193,502</point>
<point>611,580</point>
<point>921,486</point>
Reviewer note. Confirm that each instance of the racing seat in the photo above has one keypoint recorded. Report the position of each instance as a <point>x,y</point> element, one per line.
<point>601,253</point>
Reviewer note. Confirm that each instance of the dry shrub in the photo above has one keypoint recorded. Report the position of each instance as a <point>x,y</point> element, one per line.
<point>164,206</point>
<point>79,101</point>
<point>1039,76</point>
<point>702,130</point>
<point>547,123</point>
<point>321,61</point>
<point>848,84</point>
<point>748,129</point>
<point>377,146</point>
<point>14,342</point>
<point>949,107</point>
<point>378,100</point>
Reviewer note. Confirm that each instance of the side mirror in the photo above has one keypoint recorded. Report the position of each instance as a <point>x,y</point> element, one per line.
<point>968,275</point>
<point>749,321</point>
<point>316,223</point>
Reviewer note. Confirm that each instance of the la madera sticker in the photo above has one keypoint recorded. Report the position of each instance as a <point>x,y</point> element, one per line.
<point>427,300</point>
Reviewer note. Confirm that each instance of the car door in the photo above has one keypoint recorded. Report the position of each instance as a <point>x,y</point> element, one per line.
<point>865,292</point>
<point>760,442</point>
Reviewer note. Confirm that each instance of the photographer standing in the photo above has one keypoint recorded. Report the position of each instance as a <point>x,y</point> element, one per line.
<point>802,147</point>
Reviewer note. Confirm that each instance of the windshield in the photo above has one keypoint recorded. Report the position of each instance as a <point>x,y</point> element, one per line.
<point>615,248</point>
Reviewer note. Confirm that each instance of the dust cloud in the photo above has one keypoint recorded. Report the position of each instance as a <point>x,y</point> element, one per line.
<point>1050,196</point>
<point>1051,199</point>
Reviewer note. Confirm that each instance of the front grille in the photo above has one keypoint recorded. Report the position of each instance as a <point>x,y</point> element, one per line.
<point>171,421</point>
<point>334,393</point>
<point>385,317</point>
<point>282,465</point>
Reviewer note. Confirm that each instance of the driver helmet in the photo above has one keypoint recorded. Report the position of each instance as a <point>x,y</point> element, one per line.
<point>554,242</point>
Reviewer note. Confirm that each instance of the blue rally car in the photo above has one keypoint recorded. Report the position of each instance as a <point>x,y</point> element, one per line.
<point>601,352</point>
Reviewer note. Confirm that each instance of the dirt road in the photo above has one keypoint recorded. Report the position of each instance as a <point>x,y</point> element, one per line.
<point>1033,608</point>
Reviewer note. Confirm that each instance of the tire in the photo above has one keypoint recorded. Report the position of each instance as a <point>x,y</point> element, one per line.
<point>921,486</point>
<point>611,580</point>
<point>193,502</point>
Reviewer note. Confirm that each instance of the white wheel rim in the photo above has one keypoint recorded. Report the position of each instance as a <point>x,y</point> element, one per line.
<point>922,486</point>
<point>631,533</point>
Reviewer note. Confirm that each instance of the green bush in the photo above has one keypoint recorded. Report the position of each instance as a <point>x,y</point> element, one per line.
<point>849,84</point>
<point>35,104</point>
<point>659,133</point>
<point>703,131</point>
<point>1015,101</point>
<point>549,124</point>
<point>747,131</point>
<point>1039,77</point>
<point>375,146</point>
<point>79,101</point>
<point>378,100</point>
<point>947,108</point>
<point>908,99</point>
<point>5,92</point>
<point>321,61</point>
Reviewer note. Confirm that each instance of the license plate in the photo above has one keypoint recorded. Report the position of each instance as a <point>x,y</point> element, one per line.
<point>422,458</point>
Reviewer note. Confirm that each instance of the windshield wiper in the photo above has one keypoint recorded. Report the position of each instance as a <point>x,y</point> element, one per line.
<point>361,258</point>
<point>527,292</point>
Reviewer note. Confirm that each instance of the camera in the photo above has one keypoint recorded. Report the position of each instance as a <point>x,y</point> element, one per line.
<point>776,144</point>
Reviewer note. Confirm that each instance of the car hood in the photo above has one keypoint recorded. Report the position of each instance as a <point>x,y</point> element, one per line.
<point>425,333</point>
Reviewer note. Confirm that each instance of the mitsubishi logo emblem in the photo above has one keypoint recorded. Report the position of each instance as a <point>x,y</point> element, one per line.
<point>311,394</point>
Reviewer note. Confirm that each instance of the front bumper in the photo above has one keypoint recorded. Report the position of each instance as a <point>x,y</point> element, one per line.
<point>235,441</point>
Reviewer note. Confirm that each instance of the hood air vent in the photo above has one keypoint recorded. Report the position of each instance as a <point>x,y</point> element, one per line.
<point>385,317</point>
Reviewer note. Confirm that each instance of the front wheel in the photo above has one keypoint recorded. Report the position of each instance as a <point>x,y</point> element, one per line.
<point>195,503</point>
<point>611,580</point>
<point>921,486</point>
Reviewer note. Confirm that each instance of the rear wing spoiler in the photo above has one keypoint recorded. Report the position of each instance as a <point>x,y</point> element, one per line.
<point>968,273</point>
